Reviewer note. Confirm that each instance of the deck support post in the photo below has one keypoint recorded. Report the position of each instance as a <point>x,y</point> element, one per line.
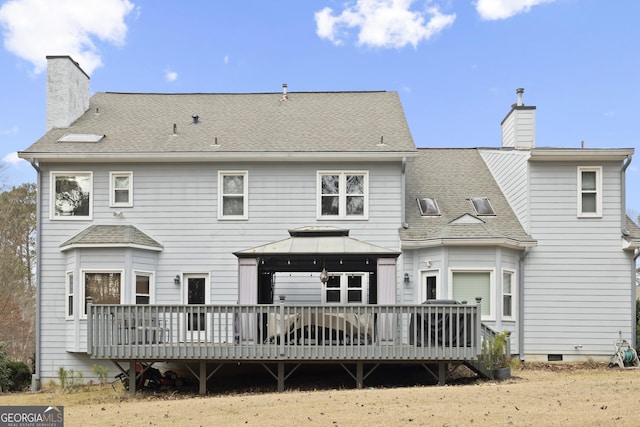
<point>442,373</point>
<point>133,376</point>
<point>280,376</point>
<point>359,374</point>
<point>203,377</point>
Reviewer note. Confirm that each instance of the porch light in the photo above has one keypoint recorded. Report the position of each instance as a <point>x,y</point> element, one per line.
<point>324,276</point>
<point>176,280</point>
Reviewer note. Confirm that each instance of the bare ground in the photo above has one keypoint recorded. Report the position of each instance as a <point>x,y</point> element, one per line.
<point>537,395</point>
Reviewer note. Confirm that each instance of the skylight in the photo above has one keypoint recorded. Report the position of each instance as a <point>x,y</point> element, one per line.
<point>428,206</point>
<point>81,137</point>
<point>482,206</point>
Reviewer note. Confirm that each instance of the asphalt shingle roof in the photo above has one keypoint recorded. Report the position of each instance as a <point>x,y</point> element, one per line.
<point>452,177</point>
<point>261,122</point>
<point>112,235</point>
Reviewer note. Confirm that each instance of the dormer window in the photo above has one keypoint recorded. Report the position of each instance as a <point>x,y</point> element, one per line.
<point>428,206</point>
<point>482,206</point>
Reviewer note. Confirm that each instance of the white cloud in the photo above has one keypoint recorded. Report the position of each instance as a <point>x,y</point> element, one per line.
<point>10,131</point>
<point>382,23</point>
<point>492,10</point>
<point>170,76</point>
<point>226,59</point>
<point>34,29</point>
<point>12,158</point>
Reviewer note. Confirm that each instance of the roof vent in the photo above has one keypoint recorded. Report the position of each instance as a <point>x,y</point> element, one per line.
<point>285,97</point>
<point>196,119</point>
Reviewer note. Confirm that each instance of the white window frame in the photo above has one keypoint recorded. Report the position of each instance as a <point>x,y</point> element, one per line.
<point>342,195</point>
<point>597,192</point>
<point>69,296</point>
<point>82,286</point>
<point>513,295</point>
<point>423,285</point>
<point>152,285</point>
<point>245,195</point>
<point>112,189</point>
<point>492,288</point>
<point>344,288</point>
<point>52,196</point>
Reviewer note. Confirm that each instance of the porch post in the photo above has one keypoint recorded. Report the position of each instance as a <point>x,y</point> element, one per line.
<point>248,295</point>
<point>386,296</point>
<point>280,376</point>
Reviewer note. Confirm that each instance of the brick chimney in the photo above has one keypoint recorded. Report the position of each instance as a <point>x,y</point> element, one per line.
<point>519,126</point>
<point>67,91</point>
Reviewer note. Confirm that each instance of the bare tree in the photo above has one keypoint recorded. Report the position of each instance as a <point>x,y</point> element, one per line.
<point>17,266</point>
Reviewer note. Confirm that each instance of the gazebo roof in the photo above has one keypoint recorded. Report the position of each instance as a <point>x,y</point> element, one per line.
<point>318,240</point>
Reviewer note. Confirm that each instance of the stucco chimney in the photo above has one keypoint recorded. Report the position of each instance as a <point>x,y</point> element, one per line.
<point>519,126</point>
<point>67,91</point>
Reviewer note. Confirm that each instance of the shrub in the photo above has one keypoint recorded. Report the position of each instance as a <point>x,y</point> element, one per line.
<point>494,353</point>
<point>19,376</point>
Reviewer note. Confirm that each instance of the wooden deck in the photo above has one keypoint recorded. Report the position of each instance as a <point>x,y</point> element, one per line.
<point>282,333</point>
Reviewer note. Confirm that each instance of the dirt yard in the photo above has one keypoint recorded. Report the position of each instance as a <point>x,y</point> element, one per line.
<point>536,395</point>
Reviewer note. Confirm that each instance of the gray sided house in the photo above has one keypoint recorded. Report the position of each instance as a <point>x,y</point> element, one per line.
<point>306,227</point>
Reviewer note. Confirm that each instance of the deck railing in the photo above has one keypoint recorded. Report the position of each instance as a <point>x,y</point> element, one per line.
<point>284,332</point>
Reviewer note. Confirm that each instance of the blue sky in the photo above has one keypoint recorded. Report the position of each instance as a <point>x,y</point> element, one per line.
<point>455,64</point>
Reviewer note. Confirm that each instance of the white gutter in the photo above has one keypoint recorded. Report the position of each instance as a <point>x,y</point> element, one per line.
<point>490,241</point>
<point>216,156</point>
<point>35,377</point>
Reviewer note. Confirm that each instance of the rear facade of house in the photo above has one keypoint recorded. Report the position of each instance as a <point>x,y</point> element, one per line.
<point>156,199</point>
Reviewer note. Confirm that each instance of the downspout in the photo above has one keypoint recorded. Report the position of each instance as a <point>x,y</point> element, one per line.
<point>625,232</point>
<point>521,304</point>
<point>35,377</point>
<point>623,195</point>
<point>403,186</point>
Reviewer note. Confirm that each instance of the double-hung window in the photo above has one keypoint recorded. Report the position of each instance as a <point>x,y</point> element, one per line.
<point>144,288</point>
<point>343,195</point>
<point>589,191</point>
<point>508,288</point>
<point>121,186</point>
<point>69,296</point>
<point>346,288</point>
<point>233,188</point>
<point>71,195</point>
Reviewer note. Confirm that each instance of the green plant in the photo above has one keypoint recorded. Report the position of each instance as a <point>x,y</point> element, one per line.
<point>494,351</point>
<point>19,376</point>
<point>69,379</point>
<point>5,381</point>
<point>101,372</point>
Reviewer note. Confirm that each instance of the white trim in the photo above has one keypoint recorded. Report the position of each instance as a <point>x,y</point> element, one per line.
<point>245,194</point>
<point>492,288</point>
<point>598,191</point>
<point>152,285</point>
<point>514,296</point>
<point>81,292</point>
<point>109,245</point>
<point>342,195</point>
<point>52,196</point>
<point>422,291</point>
<point>112,189</point>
